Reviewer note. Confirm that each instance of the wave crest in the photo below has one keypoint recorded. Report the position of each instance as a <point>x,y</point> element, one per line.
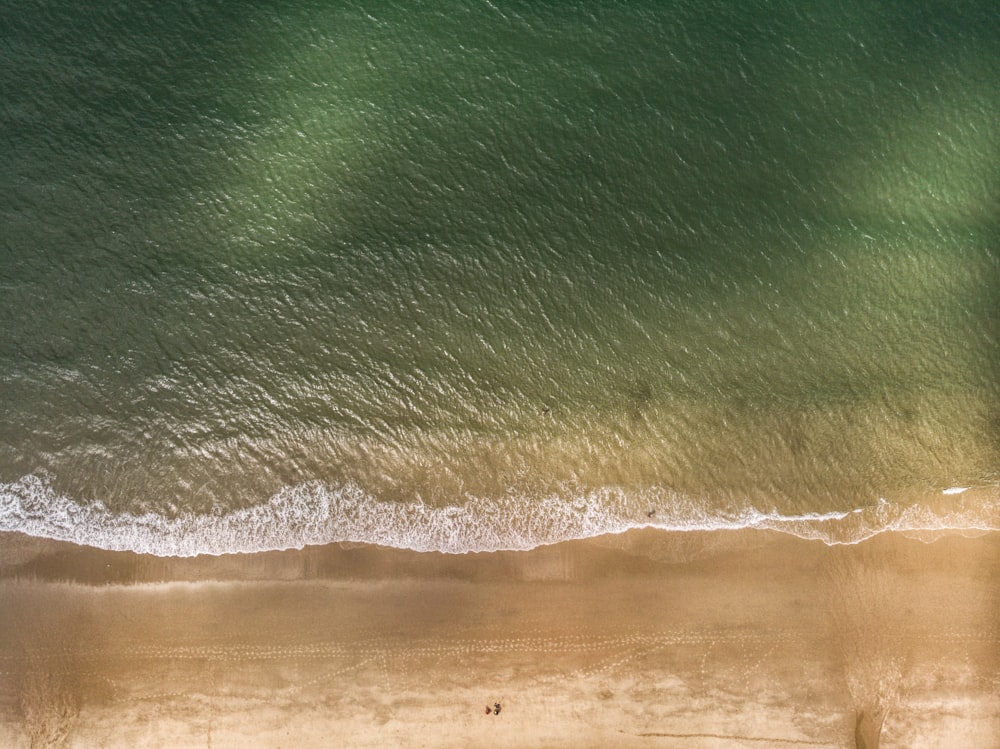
<point>315,513</point>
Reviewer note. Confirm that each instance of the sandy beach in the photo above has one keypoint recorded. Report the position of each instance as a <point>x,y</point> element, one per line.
<point>731,639</point>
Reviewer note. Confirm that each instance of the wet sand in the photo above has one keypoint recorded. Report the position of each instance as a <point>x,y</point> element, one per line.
<point>727,639</point>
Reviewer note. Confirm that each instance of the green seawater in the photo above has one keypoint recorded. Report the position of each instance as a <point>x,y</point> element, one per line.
<point>478,274</point>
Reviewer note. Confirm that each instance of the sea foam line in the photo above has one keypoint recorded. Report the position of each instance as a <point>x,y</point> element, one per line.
<point>315,513</point>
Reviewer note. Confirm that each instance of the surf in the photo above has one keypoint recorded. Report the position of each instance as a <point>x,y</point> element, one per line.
<point>317,513</point>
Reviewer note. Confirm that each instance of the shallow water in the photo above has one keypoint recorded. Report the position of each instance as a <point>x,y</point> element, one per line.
<point>468,275</point>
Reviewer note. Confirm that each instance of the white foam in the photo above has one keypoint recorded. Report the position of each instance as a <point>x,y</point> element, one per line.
<point>315,513</point>
<point>307,514</point>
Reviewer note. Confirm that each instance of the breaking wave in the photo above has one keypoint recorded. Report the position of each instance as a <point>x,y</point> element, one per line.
<point>315,513</point>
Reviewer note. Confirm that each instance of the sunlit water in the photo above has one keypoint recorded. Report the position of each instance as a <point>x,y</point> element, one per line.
<point>471,275</point>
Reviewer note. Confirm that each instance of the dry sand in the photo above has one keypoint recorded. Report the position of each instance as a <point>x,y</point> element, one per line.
<point>730,639</point>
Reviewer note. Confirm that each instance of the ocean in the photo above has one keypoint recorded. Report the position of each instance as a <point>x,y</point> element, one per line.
<point>464,275</point>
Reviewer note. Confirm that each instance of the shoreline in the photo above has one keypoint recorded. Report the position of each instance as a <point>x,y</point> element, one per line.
<point>305,516</point>
<point>634,550</point>
<point>718,639</point>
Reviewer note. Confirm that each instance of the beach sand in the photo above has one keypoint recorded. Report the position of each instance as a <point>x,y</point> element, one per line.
<point>649,639</point>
